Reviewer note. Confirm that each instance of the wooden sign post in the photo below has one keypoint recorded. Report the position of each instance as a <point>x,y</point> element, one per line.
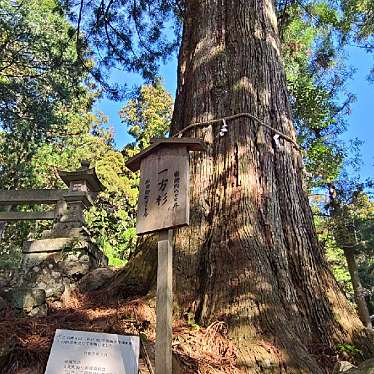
<point>164,205</point>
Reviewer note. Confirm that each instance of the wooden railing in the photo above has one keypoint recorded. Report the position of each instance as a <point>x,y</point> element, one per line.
<point>13,198</point>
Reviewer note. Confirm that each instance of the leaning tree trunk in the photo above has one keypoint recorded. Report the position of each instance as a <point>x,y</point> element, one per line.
<point>345,238</point>
<point>250,256</point>
<point>358,290</point>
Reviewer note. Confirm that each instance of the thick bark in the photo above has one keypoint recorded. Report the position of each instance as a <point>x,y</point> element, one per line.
<point>250,256</point>
<point>358,290</point>
<point>139,276</point>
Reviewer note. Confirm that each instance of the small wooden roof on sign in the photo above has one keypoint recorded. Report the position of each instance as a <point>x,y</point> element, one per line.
<point>192,144</point>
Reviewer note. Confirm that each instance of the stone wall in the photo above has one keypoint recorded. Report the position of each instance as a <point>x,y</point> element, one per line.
<point>50,269</point>
<point>9,278</point>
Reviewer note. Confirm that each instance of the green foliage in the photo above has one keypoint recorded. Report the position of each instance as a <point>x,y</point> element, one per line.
<point>338,263</point>
<point>349,349</point>
<point>347,221</point>
<point>147,115</point>
<point>41,79</point>
<point>45,117</point>
<point>360,13</point>
<point>112,221</point>
<point>316,77</point>
<point>112,228</point>
<point>11,244</point>
<point>353,218</point>
<point>336,257</point>
<point>133,35</point>
<point>42,88</point>
<point>353,226</point>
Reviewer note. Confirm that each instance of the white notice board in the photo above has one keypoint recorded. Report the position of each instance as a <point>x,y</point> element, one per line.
<point>83,352</point>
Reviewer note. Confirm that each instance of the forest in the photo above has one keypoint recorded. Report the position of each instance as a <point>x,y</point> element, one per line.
<point>275,271</point>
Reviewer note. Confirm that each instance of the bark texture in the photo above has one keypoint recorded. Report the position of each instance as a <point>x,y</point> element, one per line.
<point>250,256</point>
<point>140,275</point>
<point>358,290</point>
<point>344,230</point>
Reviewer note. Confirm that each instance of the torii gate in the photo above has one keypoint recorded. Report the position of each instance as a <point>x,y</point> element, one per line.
<point>67,215</point>
<point>84,186</point>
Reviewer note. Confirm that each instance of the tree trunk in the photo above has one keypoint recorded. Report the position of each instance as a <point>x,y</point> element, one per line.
<point>345,238</point>
<point>250,256</point>
<point>358,290</point>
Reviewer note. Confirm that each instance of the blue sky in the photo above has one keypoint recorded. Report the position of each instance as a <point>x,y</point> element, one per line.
<point>361,120</point>
<point>111,108</point>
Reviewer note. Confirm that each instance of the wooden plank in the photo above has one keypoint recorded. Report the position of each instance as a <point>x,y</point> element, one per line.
<point>164,188</point>
<point>23,197</point>
<point>27,216</point>
<point>192,144</point>
<point>164,306</point>
<point>15,197</point>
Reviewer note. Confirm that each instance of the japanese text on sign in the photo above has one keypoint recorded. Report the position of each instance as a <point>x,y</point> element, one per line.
<point>163,199</point>
<point>81,352</point>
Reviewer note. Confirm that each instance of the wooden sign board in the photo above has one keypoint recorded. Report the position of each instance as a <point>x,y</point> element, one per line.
<point>81,352</point>
<point>163,194</point>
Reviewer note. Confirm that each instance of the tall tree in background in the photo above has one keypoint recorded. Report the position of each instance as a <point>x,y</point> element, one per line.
<point>360,13</point>
<point>41,83</point>
<point>46,98</point>
<point>147,115</point>
<point>352,223</point>
<point>316,77</point>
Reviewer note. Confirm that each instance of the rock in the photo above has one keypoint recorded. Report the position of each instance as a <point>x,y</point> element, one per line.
<point>55,291</point>
<point>9,278</point>
<point>95,279</point>
<point>76,269</point>
<point>25,298</point>
<point>367,367</point>
<point>49,292</point>
<point>71,257</point>
<point>84,258</point>
<point>66,281</point>
<point>41,285</point>
<point>39,311</point>
<point>55,274</point>
<point>342,367</point>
